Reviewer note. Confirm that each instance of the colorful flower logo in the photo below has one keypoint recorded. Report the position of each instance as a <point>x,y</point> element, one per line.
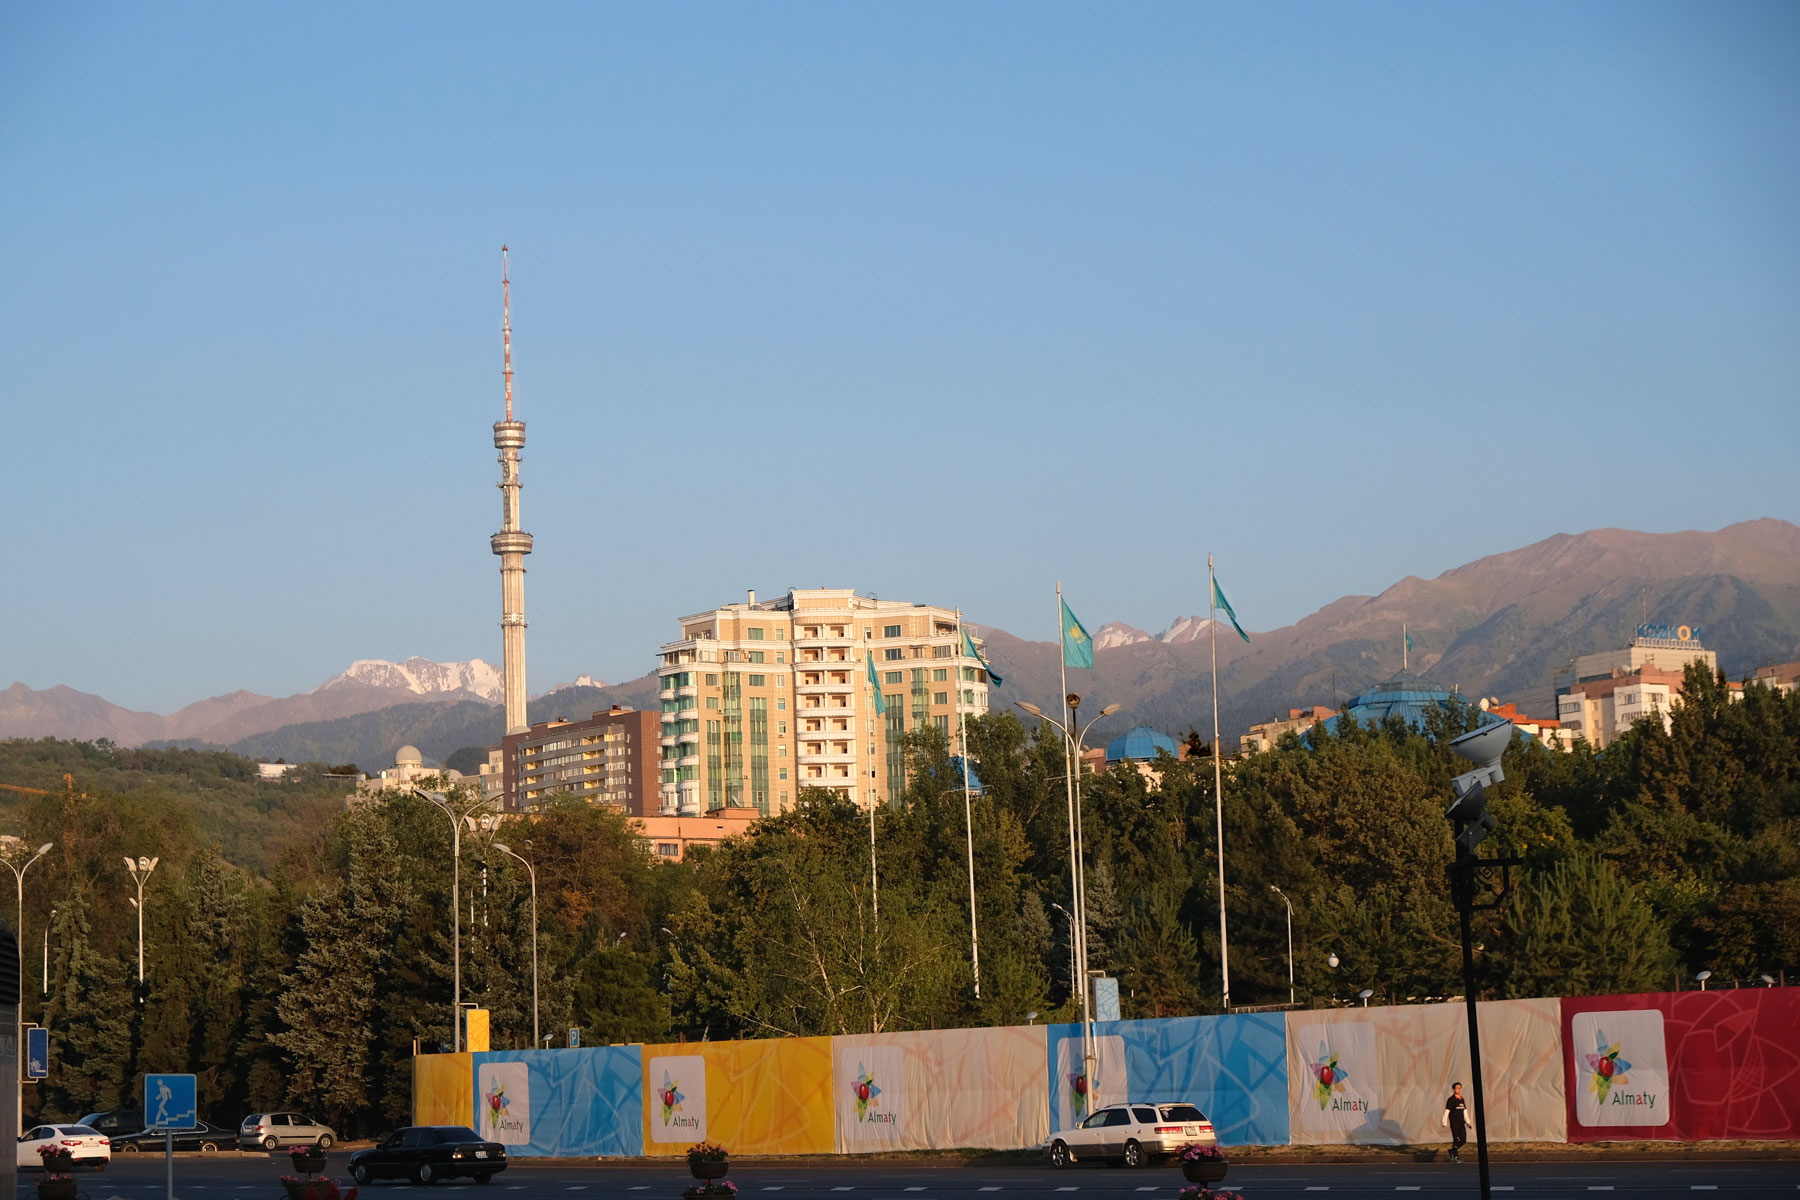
<point>671,1097</point>
<point>1328,1076</point>
<point>497,1104</point>
<point>866,1092</point>
<point>1607,1067</point>
<point>1078,1095</point>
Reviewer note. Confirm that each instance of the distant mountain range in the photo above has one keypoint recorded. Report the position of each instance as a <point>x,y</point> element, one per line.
<point>1495,627</point>
<point>369,685</point>
<point>1499,626</point>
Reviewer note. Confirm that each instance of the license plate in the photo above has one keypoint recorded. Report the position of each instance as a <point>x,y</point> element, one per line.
<point>481,1154</point>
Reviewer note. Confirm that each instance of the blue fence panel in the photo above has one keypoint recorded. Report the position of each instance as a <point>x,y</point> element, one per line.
<point>1234,1067</point>
<point>577,1103</point>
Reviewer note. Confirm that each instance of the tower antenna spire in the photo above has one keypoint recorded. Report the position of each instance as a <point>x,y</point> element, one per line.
<point>506,326</point>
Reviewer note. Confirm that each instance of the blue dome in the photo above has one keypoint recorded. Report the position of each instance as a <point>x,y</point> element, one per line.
<point>1140,745</point>
<point>1404,695</point>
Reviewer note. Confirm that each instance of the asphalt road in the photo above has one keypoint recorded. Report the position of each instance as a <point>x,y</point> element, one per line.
<point>234,1176</point>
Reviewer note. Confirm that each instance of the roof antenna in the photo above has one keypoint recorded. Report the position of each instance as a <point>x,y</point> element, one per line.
<point>506,327</point>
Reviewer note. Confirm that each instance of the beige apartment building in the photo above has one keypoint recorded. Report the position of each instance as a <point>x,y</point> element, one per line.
<point>761,699</point>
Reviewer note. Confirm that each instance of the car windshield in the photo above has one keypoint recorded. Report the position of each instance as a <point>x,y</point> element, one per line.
<point>449,1134</point>
<point>1181,1112</point>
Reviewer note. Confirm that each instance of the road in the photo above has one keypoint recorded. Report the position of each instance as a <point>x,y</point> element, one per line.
<point>235,1176</point>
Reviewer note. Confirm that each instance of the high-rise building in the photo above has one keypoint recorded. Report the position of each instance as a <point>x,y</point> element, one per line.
<point>512,544</point>
<point>762,699</point>
<point>609,758</point>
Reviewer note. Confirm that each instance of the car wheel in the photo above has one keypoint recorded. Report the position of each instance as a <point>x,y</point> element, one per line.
<point>483,1176</point>
<point>360,1173</point>
<point>423,1174</point>
<point>1134,1155</point>
<point>1059,1155</point>
<point>209,1147</point>
<point>129,1148</point>
<point>325,1142</point>
<point>269,1143</point>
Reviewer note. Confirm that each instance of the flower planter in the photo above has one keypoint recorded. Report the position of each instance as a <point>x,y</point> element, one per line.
<point>714,1169</point>
<point>1205,1170</point>
<point>56,1189</point>
<point>308,1164</point>
<point>60,1163</point>
<point>308,1189</point>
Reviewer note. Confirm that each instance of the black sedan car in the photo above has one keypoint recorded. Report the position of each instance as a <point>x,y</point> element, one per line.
<point>428,1153</point>
<point>202,1137</point>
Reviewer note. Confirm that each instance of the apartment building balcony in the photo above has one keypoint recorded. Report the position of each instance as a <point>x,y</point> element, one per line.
<point>846,758</point>
<point>688,714</point>
<point>666,740</point>
<point>822,689</point>
<point>825,642</point>
<point>688,690</point>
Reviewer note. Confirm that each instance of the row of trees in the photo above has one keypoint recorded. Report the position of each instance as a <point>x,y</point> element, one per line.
<point>310,981</point>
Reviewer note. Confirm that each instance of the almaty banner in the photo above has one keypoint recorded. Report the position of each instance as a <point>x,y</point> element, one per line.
<point>764,1097</point>
<point>1685,1066</point>
<point>563,1103</point>
<point>940,1089</point>
<point>1379,1076</point>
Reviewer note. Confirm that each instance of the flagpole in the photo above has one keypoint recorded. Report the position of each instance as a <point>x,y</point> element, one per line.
<point>1212,625</point>
<point>1405,645</point>
<point>1080,921</point>
<point>874,880</point>
<point>962,736</point>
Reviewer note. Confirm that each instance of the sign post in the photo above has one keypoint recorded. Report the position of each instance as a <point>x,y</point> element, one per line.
<point>37,1052</point>
<point>171,1104</point>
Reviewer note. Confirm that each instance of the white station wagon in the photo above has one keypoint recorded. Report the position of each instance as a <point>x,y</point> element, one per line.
<point>1131,1134</point>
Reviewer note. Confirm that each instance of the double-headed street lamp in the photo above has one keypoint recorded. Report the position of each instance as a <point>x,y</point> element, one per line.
<point>19,1032</point>
<point>456,823</point>
<point>1072,740</point>
<point>140,869</point>
<point>505,849</point>
<point>1290,931</point>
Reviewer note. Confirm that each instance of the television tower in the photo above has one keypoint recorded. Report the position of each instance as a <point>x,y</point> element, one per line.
<point>512,544</point>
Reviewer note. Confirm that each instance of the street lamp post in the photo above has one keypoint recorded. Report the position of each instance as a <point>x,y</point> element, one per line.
<point>1071,919</point>
<point>1290,931</point>
<point>456,821</point>
<point>140,869</point>
<point>1072,739</point>
<point>19,1031</point>
<point>534,923</point>
<point>47,952</point>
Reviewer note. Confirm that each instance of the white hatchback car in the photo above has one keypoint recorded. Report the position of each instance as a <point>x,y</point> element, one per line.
<point>88,1147</point>
<point>1131,1134</point>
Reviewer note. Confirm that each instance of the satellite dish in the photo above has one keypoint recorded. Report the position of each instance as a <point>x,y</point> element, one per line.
<point>1484,746</point>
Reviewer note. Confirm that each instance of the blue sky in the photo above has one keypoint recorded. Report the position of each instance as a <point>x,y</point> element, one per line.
<point>976,296</point>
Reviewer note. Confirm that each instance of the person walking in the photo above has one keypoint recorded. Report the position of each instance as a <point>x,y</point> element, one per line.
<point>1455,1109</point>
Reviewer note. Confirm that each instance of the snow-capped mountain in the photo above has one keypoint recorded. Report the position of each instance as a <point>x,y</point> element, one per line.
<point>579,681</point>
<point>1181,629</point>
<point>423,677</point>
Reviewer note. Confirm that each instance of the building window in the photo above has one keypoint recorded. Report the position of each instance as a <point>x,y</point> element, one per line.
<point>780,657</point>
<point>712,702</point>
<point>758,680</point>
<point>943,725</point>
<point>941,675</point>
<point>755,635</point>
<point>781,750</point>
<point>781,727</point>
<point>712,681</point>
<point>892,653</point>
<point>781,704</point>
<point>756,656</point>
<point>895,676</point>
<point>784,771</point>
<point>668,849</point>
<point>888,631</point>
<point>940,697</point>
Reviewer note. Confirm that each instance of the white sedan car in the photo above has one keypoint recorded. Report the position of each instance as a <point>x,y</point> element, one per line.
<point>1131,1134</point>
<point>88,1147</point>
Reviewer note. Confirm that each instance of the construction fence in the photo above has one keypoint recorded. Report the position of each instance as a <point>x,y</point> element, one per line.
<point>1675,1066</point>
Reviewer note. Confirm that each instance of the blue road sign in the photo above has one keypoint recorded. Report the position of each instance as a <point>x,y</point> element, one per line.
<point>37,1053</point>
<point>170,1102</point>
<point>575,1038</point>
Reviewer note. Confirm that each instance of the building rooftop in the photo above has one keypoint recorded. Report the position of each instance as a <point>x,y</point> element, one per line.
<point>1140,744</point>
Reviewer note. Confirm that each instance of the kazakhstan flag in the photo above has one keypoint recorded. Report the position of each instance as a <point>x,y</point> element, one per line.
<point>1078,647</point>
<point>1220,602</point>
<point>880,704</point>
<point>970,651</point>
